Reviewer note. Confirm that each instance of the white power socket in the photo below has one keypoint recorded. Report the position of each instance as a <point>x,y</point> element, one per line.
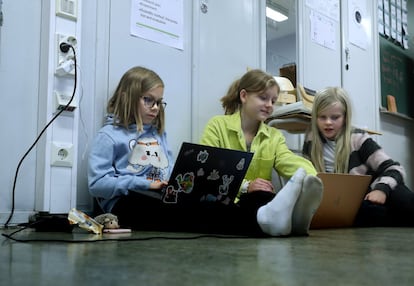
<point>67,9</point>
<point>65,64</point>
<point>62,154</point>
<point>62,100</point>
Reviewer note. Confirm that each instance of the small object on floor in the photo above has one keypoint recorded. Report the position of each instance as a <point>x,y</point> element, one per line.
<point>84,221</point>
<point>111,224</point>
<point>108,220</point>
<point>50,223</point>
<point>117,230</point>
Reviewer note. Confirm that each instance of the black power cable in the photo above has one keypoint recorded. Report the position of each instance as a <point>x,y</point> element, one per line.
<point>64,47</point>
<point>11,236</point>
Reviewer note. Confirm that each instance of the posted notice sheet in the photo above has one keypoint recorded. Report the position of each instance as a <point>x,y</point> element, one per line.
<point>160,21</point>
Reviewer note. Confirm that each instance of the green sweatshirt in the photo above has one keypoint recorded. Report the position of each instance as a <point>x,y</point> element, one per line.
<point>269,147</point>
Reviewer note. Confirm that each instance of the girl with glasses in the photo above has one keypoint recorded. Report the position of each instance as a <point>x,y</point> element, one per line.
<point>130,155</point>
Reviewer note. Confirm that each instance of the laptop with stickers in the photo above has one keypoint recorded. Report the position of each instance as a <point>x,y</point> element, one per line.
<point>342,198</point>
<point>204,173</point>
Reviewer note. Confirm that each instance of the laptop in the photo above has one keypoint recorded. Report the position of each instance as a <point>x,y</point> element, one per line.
<point>342,198</point>
<point>204,173</point>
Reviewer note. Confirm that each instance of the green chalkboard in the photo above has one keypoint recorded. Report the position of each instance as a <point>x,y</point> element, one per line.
<point>397,77</point>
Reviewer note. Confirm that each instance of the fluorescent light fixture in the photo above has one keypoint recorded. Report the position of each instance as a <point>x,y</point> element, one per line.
<point>275,15</point>
<point>276,12</point>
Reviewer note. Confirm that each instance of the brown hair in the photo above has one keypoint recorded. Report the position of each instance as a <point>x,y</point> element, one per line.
<point>124,104</point>
<point>252,81</point>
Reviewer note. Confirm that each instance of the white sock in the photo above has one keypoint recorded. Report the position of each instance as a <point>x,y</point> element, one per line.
<point>306,205</point>
<point>275,218</point>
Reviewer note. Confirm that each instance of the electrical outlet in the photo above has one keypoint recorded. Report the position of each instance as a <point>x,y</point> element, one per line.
<point>62,154</point>
<point>62,100</point>
<point>67,9</point>
<point>65,64</point>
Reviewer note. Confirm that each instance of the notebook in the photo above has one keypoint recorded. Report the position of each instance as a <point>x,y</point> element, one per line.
<point>205,173</point>
<point>342,198</point>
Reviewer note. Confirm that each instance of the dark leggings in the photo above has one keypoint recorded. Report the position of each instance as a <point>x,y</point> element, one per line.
<point>141,212</point>
<point>398,210</point>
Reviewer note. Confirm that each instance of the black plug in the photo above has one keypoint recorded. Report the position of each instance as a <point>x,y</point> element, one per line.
<point>64,47</point>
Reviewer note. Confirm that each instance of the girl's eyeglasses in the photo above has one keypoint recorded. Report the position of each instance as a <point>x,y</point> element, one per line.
<point>150,102</point>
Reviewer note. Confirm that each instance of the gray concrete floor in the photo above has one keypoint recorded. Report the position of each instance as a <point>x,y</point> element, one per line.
<point>366,256</point>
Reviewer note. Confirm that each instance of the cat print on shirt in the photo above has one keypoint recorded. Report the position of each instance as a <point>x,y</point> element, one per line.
<point>147,155</point>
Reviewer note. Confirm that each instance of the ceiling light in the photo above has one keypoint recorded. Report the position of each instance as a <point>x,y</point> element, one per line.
<point>276,12</point>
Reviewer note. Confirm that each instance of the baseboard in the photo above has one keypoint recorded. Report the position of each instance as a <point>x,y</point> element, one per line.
<point>18,217</point>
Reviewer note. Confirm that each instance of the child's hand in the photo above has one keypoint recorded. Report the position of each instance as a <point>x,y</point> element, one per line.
<point>157,185</point>
<point>376,197</point>
<point>260,184</point>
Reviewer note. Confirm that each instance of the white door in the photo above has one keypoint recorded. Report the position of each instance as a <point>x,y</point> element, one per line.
<point>221,40</point>
<point>319,44</point>
<point>227,39</point>
<point>359,71</point>
<point>173,65</point>
<point>336,48</point>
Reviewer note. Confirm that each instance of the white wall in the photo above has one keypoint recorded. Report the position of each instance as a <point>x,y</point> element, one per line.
<point>222,53</point>
<point>398,140</point>
<point>28,50</point>
<point>19,84</point>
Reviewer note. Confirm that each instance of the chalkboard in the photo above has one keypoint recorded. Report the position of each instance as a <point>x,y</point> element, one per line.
<point>397,77</point>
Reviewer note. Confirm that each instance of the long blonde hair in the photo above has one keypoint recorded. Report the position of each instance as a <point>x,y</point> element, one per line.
<point>124,104</point>
<point>254,80</point>
<point>324,99</point>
